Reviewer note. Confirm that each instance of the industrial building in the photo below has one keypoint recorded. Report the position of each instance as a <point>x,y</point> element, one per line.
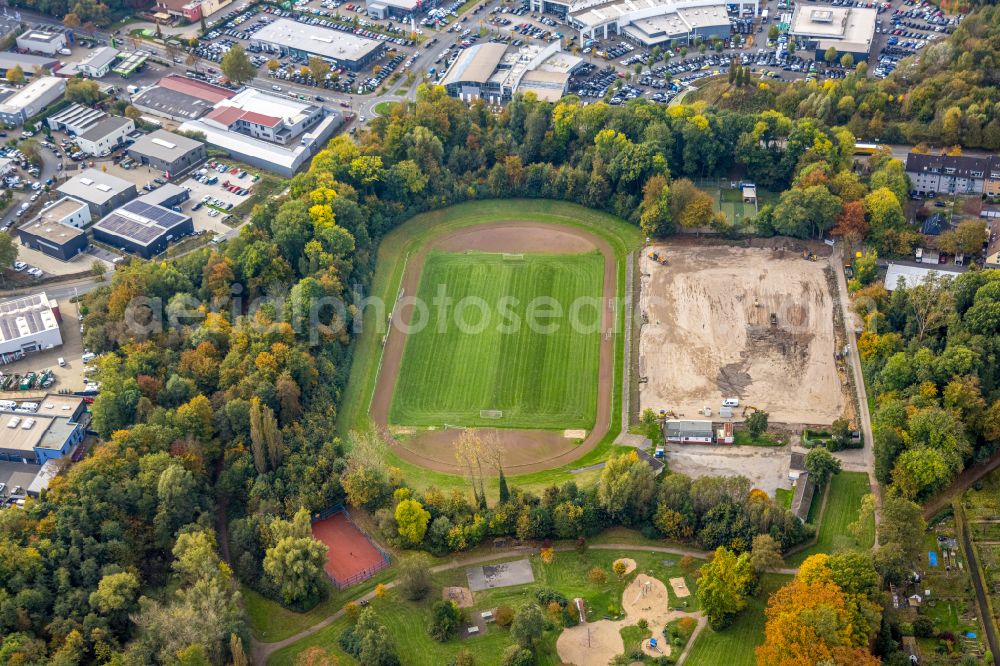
<point>28,324</point>
<point>180,98</point>
<point>42,41</point>
<point>105,136</point>
<point>301,39</point>
<point>96,64</point>
<point>142,228</point>
<point>688,432</point>
<point>953,174</point>
<point>167,152</point>
<point>32,99</point>
<point>913,274</point>
<point>101,191</point>
<point>75,119</point>
<point>50,235</point>
<point>849,30</point>
<point>272,132</point>
<point>647,22</point>
<point>27,62</point>
<point>489,72</point>
<point>37,431</point>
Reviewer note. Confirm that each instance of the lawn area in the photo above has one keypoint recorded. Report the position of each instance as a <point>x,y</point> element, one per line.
<point>461,363</point>
<point>734,645</point>
<point>383,108</point>
<point>783,497</point>
<point>414,233</point>
<point>842,507</point>
<point>567,574</point>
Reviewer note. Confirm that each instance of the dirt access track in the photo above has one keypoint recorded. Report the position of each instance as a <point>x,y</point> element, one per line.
<point>708,333</point>
<point>524,450</point>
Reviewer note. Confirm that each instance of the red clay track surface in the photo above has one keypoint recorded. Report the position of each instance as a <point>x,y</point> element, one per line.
<point>524,450</point>
<point>351,553</point>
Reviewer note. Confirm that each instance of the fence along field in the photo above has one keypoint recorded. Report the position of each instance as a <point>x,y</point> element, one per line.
<point>521,379</point>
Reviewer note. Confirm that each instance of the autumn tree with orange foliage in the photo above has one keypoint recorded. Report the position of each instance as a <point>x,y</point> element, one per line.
<point>814,620</point>
<point>851,223</point>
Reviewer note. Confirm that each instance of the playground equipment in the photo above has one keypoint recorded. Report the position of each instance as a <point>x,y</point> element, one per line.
<point>653,645</point>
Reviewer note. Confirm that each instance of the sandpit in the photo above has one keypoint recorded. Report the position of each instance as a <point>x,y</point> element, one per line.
<point>460,595</point>
<point>597,643</point>
<point>708,333</point>
<point>629,564</point>
<point>680,588</point>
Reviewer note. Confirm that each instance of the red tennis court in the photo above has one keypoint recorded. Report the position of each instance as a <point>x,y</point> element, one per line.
<point>352,558</point>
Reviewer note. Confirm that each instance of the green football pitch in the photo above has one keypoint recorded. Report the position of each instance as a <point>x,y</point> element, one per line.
<point>537,379</point>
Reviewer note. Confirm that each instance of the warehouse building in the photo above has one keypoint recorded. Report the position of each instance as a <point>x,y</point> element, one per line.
<point>75,119</point>
<point>105,136</point>
<point>101,191</point>
<point>142,228</point>
<point>648,22</point>
<point>272,132</point>
<point>492,73</point>
<point>303,40</point>
<point>27,62</point>
<point>28,324</point>
<point>42,41</point>
<point>167,152</point>
<point>32,99</point>
<point>35,432</point>
<point>57,231</point>
<point>180,98</point>
<point>849,30</point>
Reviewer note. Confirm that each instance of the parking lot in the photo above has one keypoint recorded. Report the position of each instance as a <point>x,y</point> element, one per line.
<point>210,202</point>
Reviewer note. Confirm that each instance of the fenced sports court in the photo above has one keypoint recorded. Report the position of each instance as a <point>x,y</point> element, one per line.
<point>352,556</point>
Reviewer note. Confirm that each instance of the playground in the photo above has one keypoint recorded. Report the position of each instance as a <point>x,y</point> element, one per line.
<point>597,643</point>
<point>352,556</point>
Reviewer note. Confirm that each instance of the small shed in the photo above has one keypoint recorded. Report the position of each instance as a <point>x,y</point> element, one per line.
<point>749,193</point>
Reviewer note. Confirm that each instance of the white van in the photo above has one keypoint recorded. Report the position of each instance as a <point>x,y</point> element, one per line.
<point>731,402</point>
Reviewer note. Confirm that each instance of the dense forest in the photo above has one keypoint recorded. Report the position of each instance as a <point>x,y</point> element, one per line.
<point>222,377</point>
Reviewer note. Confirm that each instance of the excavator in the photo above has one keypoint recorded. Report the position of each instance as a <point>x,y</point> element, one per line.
<point>658,258</point>
<point>809,255</point>
<point>748,408</point>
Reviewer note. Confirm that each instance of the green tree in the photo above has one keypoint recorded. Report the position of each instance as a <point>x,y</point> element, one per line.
<point>626,487</point>
<point>821,465</point>
<point>527,626</point>
<point>83,91</point>
<point>8,250</point>
<point>412,519</point>
<point>15,75</point>
<point>318,68</point>
<point>756,423</point>
<point>115,593</point>
<point>830,55</point>
<point>295,561</point>
<point>446,618</point>
<point>515,655</point>
<point>265,437</point>
<point>414,578</point>
<point>772,32</point>
<point>847,61</point>
<point>723,586</point>
<point>765,554</point>
<point>236,65</point>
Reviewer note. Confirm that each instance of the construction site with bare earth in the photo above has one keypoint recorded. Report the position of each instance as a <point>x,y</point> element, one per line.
<point>758,324</point>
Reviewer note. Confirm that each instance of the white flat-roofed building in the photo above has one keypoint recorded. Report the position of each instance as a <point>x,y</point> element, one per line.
<point>32,99</point>
<point>301,39</point>
<point>647,22</point>
<point>95,64</point>
<point>42,41</point>
<point>913,275</point>
<point>105,135</point>
<point>384,9</point>
<point>491,72</point>
<point>66,210</point>
<point>689,431</point>
<point>75,119</point>
<point>847,29</point>
<point>28,324</point>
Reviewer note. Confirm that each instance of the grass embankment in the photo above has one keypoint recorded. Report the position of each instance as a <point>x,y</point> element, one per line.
<point>460,363</point>
<point>842,506</point>
<point>406,239</point>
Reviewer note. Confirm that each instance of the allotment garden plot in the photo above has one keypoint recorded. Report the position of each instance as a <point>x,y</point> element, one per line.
<point>485,356</point>
<point>751,323</point>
